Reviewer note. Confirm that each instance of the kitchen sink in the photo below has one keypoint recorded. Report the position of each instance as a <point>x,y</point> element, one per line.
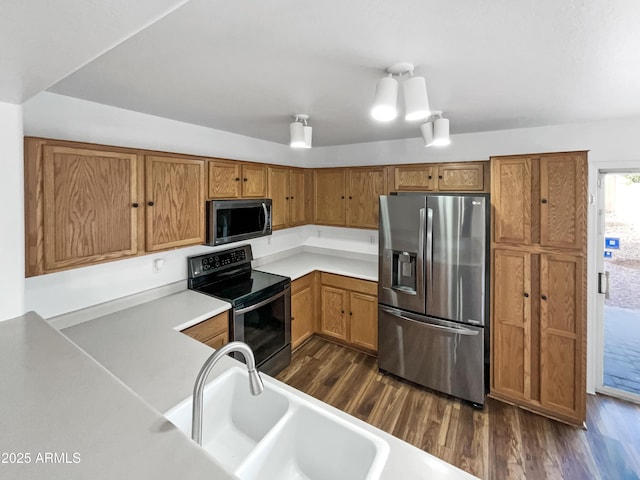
<point>233,420</point>
<point>279,434</point>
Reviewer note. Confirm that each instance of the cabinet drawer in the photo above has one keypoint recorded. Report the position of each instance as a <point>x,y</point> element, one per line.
<point>205,331</point>
<point>348,283</point>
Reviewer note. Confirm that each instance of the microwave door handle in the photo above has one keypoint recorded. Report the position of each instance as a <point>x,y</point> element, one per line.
<point>266,217</point>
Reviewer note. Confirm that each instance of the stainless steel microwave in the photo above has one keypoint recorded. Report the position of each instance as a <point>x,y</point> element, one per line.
<point>234,220</point>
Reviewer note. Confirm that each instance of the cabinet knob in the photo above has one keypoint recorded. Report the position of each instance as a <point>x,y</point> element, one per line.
<point>237,179</point>
<point>291,197</point>
<point>150,204</point>
<point>430,177</point>
<point>350,197</point>
<point>293,318</point>
<point>439,176</point>
<point>342,197</point>
<point>350,313</point>
<point>341,311</point>
<point>244,179</point>
<point>286,198</point>
<point>544,297</point>
<point>544,200</point>
<point>526,294</point>
<point>135,205</point>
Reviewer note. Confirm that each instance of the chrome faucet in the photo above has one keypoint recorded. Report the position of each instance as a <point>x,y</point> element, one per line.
<point>255,382</point>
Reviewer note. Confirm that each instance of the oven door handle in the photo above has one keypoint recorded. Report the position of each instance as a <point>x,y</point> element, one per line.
<point>262,303</point>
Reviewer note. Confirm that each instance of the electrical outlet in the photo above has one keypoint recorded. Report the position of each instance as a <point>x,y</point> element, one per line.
<point>158,265</point>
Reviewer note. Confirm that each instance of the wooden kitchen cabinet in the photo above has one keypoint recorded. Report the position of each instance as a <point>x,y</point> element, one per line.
<point>213,332</point>
<point>330,186</point>
<point>461,177</point>
<point>411,178</point>
<point>440,177</point>
<point>287,193</point>
<point>538,320</point>
<point>82,205</point>
<point>349,196</point>
<point>349,311</point>
<point>365,185</point>
<point>540,200</point>
<point>175,202</point>
<point>302,309</point>
<point>235,179</point>
<point>224,179</point>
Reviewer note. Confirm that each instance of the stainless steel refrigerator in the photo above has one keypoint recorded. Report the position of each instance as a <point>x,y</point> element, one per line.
<point>433,291</point>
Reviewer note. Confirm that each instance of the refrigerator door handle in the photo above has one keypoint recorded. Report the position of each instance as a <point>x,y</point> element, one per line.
<point>420,257</point>
<point>456,331</point>
<point>429,256</point>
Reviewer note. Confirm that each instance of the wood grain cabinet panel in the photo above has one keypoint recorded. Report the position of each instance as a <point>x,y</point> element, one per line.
<point>539,248</point>
<point>279,195</point>
<point>462,177</point>
<point>512,323</point>
<point>224,179</point>
<point>563,201</point>
<point>175,195</point>
<point>330,186</point>
<point>363,320</point>
<point>297,197</point>
<point>90,201</point>
<point>351,303</point>
<point>364,188</point>
<point>213,332</point>
<point>334,312</point>
<point>287,192</point>
<point>562,336</point>
<point>254,180</point>
<point>411,178</point>
<point>302,310</point>
<point>511,199</point>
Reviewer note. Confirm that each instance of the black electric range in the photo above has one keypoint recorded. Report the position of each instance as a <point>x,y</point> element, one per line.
<point>261,303</point>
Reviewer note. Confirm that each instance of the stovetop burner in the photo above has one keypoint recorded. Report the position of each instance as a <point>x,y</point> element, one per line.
<point>228,275</point>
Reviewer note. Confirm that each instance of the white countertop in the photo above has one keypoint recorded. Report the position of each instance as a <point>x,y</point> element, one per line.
<point>142,347</point>
<point>58,401</point>
<point>302,262</point>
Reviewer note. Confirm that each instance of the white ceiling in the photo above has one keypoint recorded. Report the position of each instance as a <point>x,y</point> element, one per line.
<point>246,66</point>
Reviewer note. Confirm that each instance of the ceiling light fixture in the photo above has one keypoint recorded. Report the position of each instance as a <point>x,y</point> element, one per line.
<point>300,133</point>
<point>436,132</point>
<point>416,101</point>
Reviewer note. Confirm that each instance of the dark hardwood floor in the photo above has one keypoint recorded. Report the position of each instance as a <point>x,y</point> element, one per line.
<point>499,442</point>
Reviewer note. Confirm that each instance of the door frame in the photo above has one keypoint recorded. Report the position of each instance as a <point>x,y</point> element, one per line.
<point>595,264</point>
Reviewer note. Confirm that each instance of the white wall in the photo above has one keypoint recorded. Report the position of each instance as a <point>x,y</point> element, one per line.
<point>606,140</point>
<point>11,213</point>
<point>55,116</point>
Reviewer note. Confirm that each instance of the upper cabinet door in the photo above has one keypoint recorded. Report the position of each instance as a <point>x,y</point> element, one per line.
<point>175,189</point>
<point>330,188</point>
<point>224,179</point>
<point>279,194</point>
<point>563,200</point>
<point>460,177</point>
<point>414,177</point>
<point>365,186</point>
<point>297,197</point>
<point>254,180</point>
<point>89,206</point>
<point>511,199</point>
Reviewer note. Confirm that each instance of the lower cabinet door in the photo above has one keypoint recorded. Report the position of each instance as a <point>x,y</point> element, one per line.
<point>363,319</point>
<point>301,315</point>
<point>334,312</point>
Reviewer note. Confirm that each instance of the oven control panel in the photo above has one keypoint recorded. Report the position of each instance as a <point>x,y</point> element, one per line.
<point>217,261</point>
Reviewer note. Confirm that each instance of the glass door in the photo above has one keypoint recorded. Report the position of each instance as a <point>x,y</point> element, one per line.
<point>619,284</point>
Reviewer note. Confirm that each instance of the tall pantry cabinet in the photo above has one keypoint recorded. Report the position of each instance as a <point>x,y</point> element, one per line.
<point>538,322</point>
